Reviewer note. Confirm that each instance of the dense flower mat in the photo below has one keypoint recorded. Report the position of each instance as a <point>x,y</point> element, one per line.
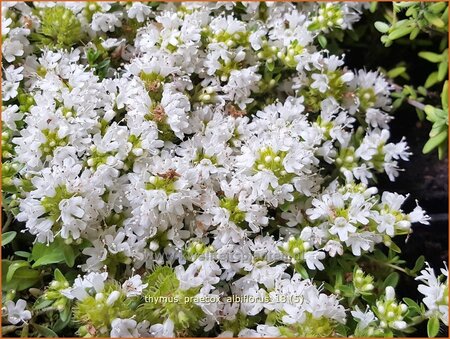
<point>200,169</point>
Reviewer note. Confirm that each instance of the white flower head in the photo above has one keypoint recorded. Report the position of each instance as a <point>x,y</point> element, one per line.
<point>17,312</point>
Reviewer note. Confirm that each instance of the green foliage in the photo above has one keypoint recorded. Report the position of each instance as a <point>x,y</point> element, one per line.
<point>433,327</point>
<point>418,17</point>
<point>59,28</point>
<point>7,237</point>
<point>56,252</point>
<point>99,61</point>
<point>95,313</point>
<point>418,21</point>
<point>312,327</point>
<point>439,131</point>
<point>45,331</point>
<point>18,275</point>
<point>165,299</point>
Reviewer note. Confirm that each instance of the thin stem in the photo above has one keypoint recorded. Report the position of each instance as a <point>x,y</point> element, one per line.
<point>416,104</point>
<point>410,101</point>
<point>395,267</point>
<point>398,268</point>
<point>9,219</point>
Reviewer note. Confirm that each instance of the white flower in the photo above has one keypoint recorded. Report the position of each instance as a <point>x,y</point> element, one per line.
<point>124,328</point>
<point>333,247</point>
<point>386,224</point>
<point>176,105</point>
<point>106,22</point>
<point>164,330</point>
<point>419,215</point>
<point>10,115</point>
<point>133,286</point>
<point>364,318</point>
<point>241,84</point>
<point>96,256</point>
<point>362,241</point>
<point>11,49</point>
<point>71,212</point>
<point>16,311</point>
<point>139,11</point>
<point>184,133</point>
<point>5,25</point>
<point>313,260</point>
<point>342,228</point>
<point>13,76</point>
<point>434,290</point>
<point>320,82</point>
<point>91,283</point>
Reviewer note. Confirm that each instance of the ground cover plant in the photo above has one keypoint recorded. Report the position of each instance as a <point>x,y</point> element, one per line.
<point>208,169</point>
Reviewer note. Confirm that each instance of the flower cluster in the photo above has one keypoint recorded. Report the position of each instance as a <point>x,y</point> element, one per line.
<point>435,290</point>
<point>202,150</point>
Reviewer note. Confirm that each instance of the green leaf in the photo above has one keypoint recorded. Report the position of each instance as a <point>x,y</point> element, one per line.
<point>412,304</point>
<point>433,327</point>
<point>412,11</point>
<point>444,96</point>
<point>61,324</point>
<point>442,150</point>
<point>391,280</point>
<point>270,66</point>
<point>442,70</point>
<point>393,246</point>
<point>14,267</point>
<point>400,32</point>
<point>430,111</point>
<point>69,255</point>
<point>22,254</point>
<point>419,264</point>
<point>104,64</point>
<point>25,331</point>
<point>46,254</point>
<point>65,314</point>
<point>399,5</point>
<point>434,20</point>
<point>314,26</point>
<point>437,7</point>
<point>322,41</point>
<point>434,142</point>
<point>397,71</point>
<point>56,252</point>
<point>414,33</point>
<point>422,91</point>
<point>59,276</point>
<point>7,237</point>
<point>303,272</point>
<point>438,127</point>
<point>397,103</point>
<point>420,114</point>
<point>431,80</point>
<point>23,277</point>
<point>431,57</point>
<point>347,291</point>
<point>45,331</point>
<point>381,27</point>
<point>41,303</point>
